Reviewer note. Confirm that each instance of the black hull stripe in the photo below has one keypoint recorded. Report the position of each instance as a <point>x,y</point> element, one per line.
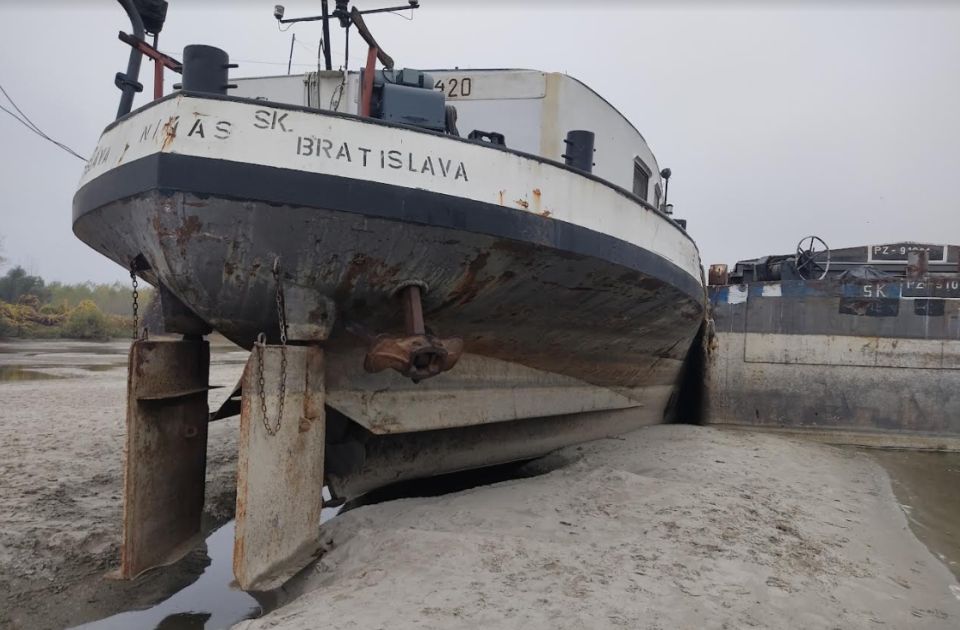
<point>244,181</point>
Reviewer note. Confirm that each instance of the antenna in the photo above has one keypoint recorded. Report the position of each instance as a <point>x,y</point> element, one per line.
<point>342,12</point>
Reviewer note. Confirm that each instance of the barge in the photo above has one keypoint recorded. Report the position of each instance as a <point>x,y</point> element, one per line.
<point>859,345</point>
<point>434,271</point>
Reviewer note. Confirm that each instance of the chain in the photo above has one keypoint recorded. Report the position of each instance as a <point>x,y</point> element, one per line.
<point>136,295</point>
<point>273,427</point>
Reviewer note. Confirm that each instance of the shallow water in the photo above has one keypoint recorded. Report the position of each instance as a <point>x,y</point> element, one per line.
<point>926,485</point>
<point>212,602</point>
<point>208,603</point>
<point>10,373</point>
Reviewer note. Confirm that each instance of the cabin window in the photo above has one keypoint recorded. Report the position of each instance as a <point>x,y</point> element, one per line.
<point>641,179</point>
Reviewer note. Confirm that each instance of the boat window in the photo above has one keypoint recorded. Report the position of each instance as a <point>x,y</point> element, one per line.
<point>641,179</point>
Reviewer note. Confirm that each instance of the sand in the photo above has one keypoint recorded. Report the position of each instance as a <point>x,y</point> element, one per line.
<point>670,527</point>
<point>61,479</point>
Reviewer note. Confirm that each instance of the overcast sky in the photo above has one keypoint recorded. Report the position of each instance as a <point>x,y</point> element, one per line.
<point>841,120</point>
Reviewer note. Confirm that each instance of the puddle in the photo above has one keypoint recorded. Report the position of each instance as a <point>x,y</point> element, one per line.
<point>212,602</point>
<point>14,373</point>
<point>209,603</point>
<point>926,487</point>
<point>66,347</point>
<point>102,367</point>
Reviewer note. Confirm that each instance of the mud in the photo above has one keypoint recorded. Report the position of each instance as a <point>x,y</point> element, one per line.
<point>61,449</point>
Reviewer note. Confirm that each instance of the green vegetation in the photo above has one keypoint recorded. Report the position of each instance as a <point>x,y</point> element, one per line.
<point>31,308</point>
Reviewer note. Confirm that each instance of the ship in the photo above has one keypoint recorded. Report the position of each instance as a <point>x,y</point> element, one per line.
<point>434,270</point>
<point>856,345</point>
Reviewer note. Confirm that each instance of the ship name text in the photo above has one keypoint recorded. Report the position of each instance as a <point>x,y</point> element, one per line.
<point>171,130</point>
<point>409,161</point>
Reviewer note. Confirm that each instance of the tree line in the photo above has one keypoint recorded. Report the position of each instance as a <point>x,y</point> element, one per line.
<point>33,308</point>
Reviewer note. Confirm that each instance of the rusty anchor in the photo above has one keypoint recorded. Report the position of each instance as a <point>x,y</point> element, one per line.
<point>418,355</point>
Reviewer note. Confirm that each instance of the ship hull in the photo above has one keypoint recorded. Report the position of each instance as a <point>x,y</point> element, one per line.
<point>557,316</point>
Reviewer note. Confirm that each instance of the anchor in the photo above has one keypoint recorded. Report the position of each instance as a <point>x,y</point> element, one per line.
<point>418,355</point>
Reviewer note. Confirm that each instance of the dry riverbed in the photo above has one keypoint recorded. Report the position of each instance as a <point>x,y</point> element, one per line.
<point>61,449</point>
<point>668,527</point>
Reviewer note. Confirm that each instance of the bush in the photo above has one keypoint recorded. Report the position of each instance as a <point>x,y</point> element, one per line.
<point>86,321</point>
<point>8,321</point>
<point>31,309</point>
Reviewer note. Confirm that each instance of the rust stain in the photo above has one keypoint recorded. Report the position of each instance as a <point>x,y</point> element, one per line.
<point>718,275</point>
<point>545,213</point>
<point>536,200</point>
<point>501,197</point>
<point>468,286</point>
<point>375,273</point>
<point>523,203</point>
<point>346,285</point>
<point>169,131</point>
<point>191,225</point>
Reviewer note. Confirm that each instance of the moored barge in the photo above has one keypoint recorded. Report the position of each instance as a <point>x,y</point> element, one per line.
<point>859,345</point>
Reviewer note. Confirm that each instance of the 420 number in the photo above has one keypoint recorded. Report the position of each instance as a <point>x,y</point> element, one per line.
<point>454,87</point>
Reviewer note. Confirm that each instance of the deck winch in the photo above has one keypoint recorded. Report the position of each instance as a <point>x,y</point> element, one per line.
<point>407,96</point>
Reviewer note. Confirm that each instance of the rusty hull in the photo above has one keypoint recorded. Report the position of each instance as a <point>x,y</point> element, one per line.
<point>546,333</point>
<point>520,302</point>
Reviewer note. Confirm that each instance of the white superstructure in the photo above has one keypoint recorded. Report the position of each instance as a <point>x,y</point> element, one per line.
<point>534,111</point>
<point>287,138</point>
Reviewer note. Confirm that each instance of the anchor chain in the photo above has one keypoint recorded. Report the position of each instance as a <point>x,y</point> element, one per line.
<point>136,296</point>
<point>273,427</point>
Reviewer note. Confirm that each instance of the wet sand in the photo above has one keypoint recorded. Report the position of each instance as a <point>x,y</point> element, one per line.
<point>61,448</point>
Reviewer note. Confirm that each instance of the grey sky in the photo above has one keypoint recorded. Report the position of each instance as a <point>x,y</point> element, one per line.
<point>777,123</point>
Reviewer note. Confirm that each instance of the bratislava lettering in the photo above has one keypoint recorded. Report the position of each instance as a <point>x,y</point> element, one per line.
<point>324,148</point>
<point>164,131</point>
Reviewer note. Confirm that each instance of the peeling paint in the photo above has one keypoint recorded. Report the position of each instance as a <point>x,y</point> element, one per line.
<point>736,295</point>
